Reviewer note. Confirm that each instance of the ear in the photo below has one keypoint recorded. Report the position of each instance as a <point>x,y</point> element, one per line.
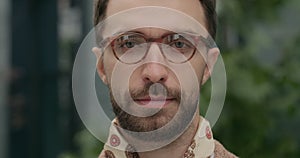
<point>100,64</point>
<point>212,57</point>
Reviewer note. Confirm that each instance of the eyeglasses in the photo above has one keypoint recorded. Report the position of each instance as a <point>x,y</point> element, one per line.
<point>132,47</point>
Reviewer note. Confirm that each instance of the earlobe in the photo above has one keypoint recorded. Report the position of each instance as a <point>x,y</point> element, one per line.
<point>212,58</point>
<point>97,52</point>
<point>100,64</point>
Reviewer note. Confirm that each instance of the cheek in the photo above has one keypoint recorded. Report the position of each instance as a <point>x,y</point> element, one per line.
<point>199,66</point>
<point>135,79</point>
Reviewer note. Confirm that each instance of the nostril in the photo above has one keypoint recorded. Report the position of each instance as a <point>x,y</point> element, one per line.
<point>154,73</point>
<point>147,79</point>
<point>162,79</point>
<point>154,79</point>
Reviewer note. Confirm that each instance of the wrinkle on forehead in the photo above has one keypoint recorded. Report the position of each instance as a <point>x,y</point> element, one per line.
<point>151,17</point>
<point>192,8</point>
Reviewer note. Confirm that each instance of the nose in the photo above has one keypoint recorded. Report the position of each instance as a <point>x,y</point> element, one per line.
<point>155,73</point>
<point>154,70</point>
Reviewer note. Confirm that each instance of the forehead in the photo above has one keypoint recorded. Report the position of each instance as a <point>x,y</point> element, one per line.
<point>192,8</point>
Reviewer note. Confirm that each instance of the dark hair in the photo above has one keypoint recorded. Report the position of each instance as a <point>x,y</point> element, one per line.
<point>208,5</point>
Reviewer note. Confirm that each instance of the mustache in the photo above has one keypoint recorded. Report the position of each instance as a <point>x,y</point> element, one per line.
<point>156,89</point>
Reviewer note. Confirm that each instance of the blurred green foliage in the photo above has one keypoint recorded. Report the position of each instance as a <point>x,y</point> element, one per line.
<point>260,42</point>
<point>261,115</point>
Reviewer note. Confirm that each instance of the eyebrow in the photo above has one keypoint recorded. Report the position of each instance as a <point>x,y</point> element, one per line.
<point>143,33</point>
<point>189,31</point>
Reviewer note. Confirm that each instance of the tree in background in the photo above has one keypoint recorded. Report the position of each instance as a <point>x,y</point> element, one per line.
<point>260,40</point>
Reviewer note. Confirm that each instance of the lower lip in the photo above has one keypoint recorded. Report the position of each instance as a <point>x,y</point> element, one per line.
<point>154,103</point>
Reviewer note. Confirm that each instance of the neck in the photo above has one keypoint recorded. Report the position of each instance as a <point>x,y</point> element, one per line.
<point>177,148</point>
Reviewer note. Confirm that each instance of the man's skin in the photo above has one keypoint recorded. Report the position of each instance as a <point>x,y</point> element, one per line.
<point>158,73</point>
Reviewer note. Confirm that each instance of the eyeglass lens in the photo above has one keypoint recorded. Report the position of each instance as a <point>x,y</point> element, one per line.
<point>133,47</point>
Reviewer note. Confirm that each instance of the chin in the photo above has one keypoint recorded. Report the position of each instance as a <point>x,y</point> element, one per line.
<point>145,124</point>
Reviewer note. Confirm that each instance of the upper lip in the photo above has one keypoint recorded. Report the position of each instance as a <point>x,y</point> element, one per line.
<point>153,98</point>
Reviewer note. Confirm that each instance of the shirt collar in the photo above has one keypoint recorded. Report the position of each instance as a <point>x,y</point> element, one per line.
<point>117,145</point>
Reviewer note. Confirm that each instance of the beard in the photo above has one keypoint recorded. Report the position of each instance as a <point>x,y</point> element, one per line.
<point>135,123</point>
<point>165,125</point>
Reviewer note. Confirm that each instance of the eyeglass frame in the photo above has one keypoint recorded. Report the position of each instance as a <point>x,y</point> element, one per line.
<point>207,41</point>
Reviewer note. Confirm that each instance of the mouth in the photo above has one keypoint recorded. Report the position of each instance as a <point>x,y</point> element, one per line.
<point>154,101</point>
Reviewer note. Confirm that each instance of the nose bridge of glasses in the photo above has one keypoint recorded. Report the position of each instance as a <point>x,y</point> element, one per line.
<point>154,53</point>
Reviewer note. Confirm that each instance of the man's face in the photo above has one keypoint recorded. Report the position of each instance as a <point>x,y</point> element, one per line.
<point>153,84</point>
